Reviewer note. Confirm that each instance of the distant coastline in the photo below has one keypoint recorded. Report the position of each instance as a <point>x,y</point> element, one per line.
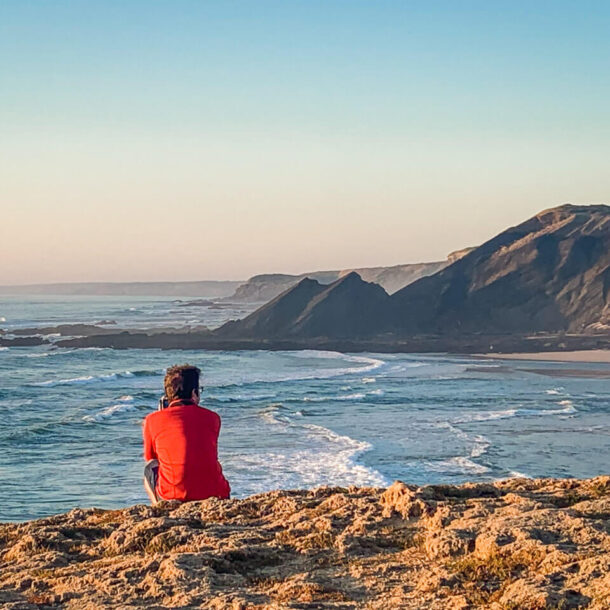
<point>203,288</point>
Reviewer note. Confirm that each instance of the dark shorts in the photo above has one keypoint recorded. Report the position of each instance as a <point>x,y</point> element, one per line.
<point>151,476</point>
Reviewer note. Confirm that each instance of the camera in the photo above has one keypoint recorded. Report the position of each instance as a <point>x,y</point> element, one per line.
<point>163,403</point>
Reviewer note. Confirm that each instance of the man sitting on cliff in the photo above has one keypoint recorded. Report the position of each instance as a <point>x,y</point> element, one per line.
<point>181,443</point>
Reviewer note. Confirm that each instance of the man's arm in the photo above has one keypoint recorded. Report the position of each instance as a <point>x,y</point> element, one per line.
<point>149,448</point>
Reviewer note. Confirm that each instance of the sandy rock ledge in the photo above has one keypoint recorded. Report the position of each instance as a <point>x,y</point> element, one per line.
<point>520,543</point>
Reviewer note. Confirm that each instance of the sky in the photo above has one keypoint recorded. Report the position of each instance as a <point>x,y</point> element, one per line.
<point>189,140</point>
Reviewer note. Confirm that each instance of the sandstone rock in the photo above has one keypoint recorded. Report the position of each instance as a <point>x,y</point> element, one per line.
<point>507,545</point>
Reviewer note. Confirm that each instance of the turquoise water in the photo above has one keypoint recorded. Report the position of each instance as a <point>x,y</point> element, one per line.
<point>70,420</point>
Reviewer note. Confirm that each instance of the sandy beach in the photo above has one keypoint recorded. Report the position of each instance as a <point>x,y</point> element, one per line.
<point>594,355</point>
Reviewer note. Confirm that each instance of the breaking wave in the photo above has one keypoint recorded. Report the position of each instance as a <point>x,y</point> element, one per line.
<point>567,408</point>
<point>125,403</point>
<point>328,458</point>
<point>97,378</point>
<point>342,397</point>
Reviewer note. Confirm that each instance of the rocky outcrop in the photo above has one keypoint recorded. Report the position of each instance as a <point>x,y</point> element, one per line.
<point>388,343</point>
<point>458,254</point>
<point>266,287</point>
<point>346,308</point>
<point>520,543</point>
<point>394,278</point>
<point>550,273</point>
<point>276,317</point>
<point>23,342</point>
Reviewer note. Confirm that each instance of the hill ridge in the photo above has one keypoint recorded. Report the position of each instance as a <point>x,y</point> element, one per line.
<point>550,273</point>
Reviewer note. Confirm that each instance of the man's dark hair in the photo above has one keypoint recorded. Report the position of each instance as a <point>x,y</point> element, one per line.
<point>180,381</point>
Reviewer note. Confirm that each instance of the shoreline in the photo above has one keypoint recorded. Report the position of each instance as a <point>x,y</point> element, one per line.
<point>596,356</point>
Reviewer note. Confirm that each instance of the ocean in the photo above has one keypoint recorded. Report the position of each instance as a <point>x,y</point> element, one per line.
<point>70,419</point>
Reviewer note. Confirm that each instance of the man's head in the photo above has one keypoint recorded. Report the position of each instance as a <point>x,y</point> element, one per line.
<point>182,383</point>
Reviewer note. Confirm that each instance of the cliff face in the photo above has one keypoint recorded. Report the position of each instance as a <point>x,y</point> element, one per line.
<point>346,308</point>
<point>394,278</point>
<point>548,274</point>
<point>277,317</point>
<point>263,288</point>
<point>521,543</point>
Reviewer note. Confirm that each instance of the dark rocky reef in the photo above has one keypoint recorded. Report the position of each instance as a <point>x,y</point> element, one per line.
<point>23,342</point>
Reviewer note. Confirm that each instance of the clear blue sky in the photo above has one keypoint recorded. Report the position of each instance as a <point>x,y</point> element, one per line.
<point>289,136</point>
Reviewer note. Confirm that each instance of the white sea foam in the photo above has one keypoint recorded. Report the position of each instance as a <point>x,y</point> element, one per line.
<point>459,464</point>
<point>342,397</point>
<point>515,474</point>
<point>109,412</point>
<point>96,378</point>
<point>409,365</point>
<point>480,447</point>
<point>356,396</point>
<point>3,349</point>
<point>555,391</point>
<point>567,409</point>
<point>370,363</point>
<point>369,380</point>
<point>462,464</point>
<point>480,444</point>
<point>272,414</point>
<point>89,349</point>
<point>485,416</point>
<point>331,459</point>
<point>304,373</point>
<point>84,379</point>
<point>243,397</point>
<point>2,319</point>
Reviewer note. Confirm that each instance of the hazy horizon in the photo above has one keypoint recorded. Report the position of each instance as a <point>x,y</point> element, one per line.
<point>191,141</point>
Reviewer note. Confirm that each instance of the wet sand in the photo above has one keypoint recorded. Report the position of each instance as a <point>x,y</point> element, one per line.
<point>594,355</point>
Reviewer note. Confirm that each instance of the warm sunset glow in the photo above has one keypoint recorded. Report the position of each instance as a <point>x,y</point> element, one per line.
<point>164,141</point>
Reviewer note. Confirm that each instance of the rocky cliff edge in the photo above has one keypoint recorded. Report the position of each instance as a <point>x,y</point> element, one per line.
<point>519,543</point>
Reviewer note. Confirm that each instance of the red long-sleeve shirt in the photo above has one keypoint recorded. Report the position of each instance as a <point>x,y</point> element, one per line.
<point>184,439</point>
